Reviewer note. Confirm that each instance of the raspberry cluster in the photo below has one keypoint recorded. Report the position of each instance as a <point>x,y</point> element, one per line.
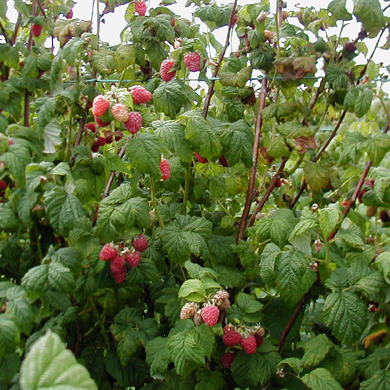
<point>103,137</point>
<point>119,256</point>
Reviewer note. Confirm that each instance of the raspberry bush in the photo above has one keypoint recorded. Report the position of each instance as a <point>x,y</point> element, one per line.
<point>158,233</point>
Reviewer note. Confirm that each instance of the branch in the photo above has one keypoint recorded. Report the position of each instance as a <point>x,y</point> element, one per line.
<point>210,92</point>
<point>255,158</point>
<point>42,9</point>
<point>3,30</point>
<point>17,26</point>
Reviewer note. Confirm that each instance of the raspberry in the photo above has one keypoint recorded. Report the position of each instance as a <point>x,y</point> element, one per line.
<point>3,185</point>
<point>95,147</point>
<point>109,139</point>
<point>222,294</point>
<point>134,122</point>
<point>140,8</point>
<point>133,259</point>
<point>210,315</point>
<point>225,304</point>
<point>188,311</point>
<point>36,29</point>
<point>193,61</point>
<point>140,243</point>
<point>91,126</point>
<point>259,339</point>
<point>69,15</point>
<point>201,159</point>
<point>120,112</point>
<point>165,169</point>
<point>101,141</point>
<point>165,70</point>
<point>198,320</point>
<point>227,359</point>
<point>11,141</point>
<point>118,269</point>
<point>108,252</point>
<point>249,345</point>
<point>140,94</point>
<point>231,336</point>
<point>100,106</point>
<point>100,122</point>
<point>222,160</point>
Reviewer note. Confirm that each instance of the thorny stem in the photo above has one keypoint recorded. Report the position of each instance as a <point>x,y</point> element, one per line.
<point>210,91</point>
<point>255,157</point>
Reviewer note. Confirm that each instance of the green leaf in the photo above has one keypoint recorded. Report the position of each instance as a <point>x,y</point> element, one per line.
<point>16,159</point>
<point>103,60</point>
<point>328,219</point>
<point>119,212</point>
<point>125,55</point>
<point>184,236</point>
<point>382,263</point>
<point>214,15</point>
<point>63,210</point>
<point>9,335</point>
<point>209,380</point>
<point>220,248</point>
<point>248,303</point>
<point>49,364</point>
<point>237,140</point>
<point>9,366</point>
<point>316,176</point>
<point>197,272</point>
<point>283,221</point>
<point>316,350</point>
<point>157,356</point>
<point>369,12</point>
<point>193,290</point>
<point>8,218</point>
<point>338,10</point>
<point>144,152</point>
<point>252,370</point>
<point>267,263</point>
<point>169,98</point>
<point>363,102</point>
<point>379,381</point>
<point>346,315</point>
<point>52,136</point>
<point>293,275</point>
<point>46,107</point>
<point>294,363</point>
<point>186,352</point>
<point>278,148</point>
<point>377,147</point>
<point>321,379</point>
<point>53,276</point>
<point>72,50</point>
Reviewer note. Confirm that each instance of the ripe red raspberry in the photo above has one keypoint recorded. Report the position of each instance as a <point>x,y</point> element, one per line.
<point>188,310</point>
<point>133,259</point>
<point>69,15</point>
<point>120,112</point>
<point>109,139</point>
<point>102,141</point>
<point>201,159</point>
<point>140,94</point>
<point>3,185</point>
<point>165,169</point>
<point>165,70</point>
<point>140,243</point>
<point>249,345</point>
<point>36,29</point>
<point>95,147</point>
<point>140,8</point>
<point>100,106</point>
<point>210,315</point>
<point>118,269</point>
<point>100,122</point>
<point>227,359</point>
<point>259,339</point>
<point>231,336</point>
<point>222,160</point>
<point>193,61</point>
<point>91,126</point>
<point>134,123</point>
<point>108,252</point>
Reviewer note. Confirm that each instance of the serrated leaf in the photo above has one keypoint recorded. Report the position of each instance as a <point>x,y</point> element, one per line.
<point>103,60</point>
<point>16,159</point>
<point>144,153</point>
<point>382,263</point>
<point>379,381</point>
<point>316,350</point>
<point>338,10</point>
<point>207,339</point>
<point>119,212</point>
<point>49,364</point>
<point>248,303</point>
<point>278,148</point>
<point>346,315</point>
<point>19,308</point>
<point>169,98</point>
<point>157,356</point>
<point>8,219</point>
<point>303,226</point>
<point>363,102</point>
<point>9,335</point>
<point>193,290</point>
<point>124,55</point>
<point>209,380</point>
<point>328,219</point>
<point>220,248</point>
<point>186,352</point>
<point>9,366</point>
<point>53,276</point>
<point>63,210</point>
<point>184,236</point>
<point>321,379</point>
<point>369,12</point>
<point>294,363</point>
<point>267,263</point>
<point>52,136</point>
<point>316,176</point>
<point>371,285</point>
<point>377,147</point>
<point>197,272</point>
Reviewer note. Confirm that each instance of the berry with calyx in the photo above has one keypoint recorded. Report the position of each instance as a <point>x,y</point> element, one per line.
<point>193,61</point>
<point>222,294</point>
<point>165,70</point>
<point>134,123</point>
<point>69,15</point>
<point>350,47</point>
<point>231,336</point>
<point>3,185</point>
<point>118,269</point>
<point>201,159</point>
<point>100,106</point>
<point>227,359</point>
<point>102,141</point>
<point>259,339</point>
<point>10,142</point>
<point>140,243</point>
<point>165,169</point>
<point>249,345</point>
<point>108,252</point>
<point>95,147</point>
<point>225,304</point>
<point>140,94</point>
<point>210,315</point>
<point>91,126</point>
<point>140,8</point>
<point>371,211</point>
<point>120,112</point>
<point>198,320</point>
<point>188,311</point>
<point>36,29</point>
<point>133,259</point>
